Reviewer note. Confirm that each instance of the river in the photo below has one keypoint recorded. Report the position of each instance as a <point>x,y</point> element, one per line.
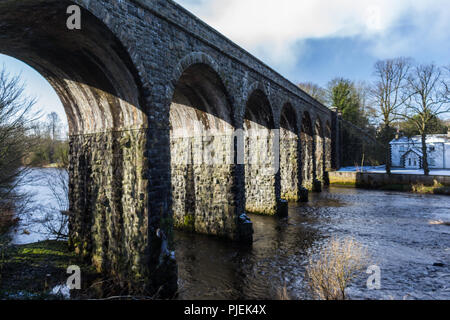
<point>413,255</point>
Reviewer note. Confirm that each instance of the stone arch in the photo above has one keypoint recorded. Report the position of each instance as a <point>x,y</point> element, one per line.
<point>256,86</point>
<point>202,141</point>
<point>290,163</point>
<point>319,150</point>
<point>260,154</point>
<point>189,60</point>
<point>307,138</point>
<point>100,86</point>
<point>120,31</point>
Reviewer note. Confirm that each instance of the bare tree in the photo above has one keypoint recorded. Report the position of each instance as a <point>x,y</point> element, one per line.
<point>54,125</point>
<point>446,80</point>
<point>387,96</point>
<point>56,219</point>
<point>315,91</point>
<point>15,119</point>
<point>427,96</point>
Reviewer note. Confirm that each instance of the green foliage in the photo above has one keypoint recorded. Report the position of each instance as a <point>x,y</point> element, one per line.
<point>47,152</point>
<point>434,126</point>
<point>344,95</point>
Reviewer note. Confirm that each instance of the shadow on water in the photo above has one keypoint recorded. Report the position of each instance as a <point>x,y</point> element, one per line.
<point>210,268</point>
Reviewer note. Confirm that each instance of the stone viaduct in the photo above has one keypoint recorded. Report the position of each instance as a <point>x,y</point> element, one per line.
<point>171,124</point>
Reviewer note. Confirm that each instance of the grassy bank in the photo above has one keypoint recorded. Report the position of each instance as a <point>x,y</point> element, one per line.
<point>398,182</point>
<point>32,271</point>
<point>437,188</point>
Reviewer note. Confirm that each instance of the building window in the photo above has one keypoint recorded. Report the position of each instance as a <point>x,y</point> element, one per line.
<point>409,162</point>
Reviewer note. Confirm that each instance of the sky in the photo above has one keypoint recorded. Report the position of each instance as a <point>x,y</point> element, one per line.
<point>310,40</point>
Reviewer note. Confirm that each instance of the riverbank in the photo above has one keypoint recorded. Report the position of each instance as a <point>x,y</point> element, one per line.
<point>37,270</point>
<point>433,184</point>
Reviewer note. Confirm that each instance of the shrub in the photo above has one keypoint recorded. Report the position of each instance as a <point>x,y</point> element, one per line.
<point>331,270</point>
<point>436,188</point>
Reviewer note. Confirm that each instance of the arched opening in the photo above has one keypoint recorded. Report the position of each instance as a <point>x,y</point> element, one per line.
<point>99,87</point>
<point>201,139</point>
<point>289,154</point>
<point>319,151</point>
<point>307,152</point>
<point>259,156</point>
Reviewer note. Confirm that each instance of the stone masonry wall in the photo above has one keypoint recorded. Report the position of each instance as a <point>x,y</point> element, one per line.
<point>319,153</point>
<point>289,167</point>
<point>260,177</point>
<point>108,195</point>
<point>203,185</point>
<point>307,161</point>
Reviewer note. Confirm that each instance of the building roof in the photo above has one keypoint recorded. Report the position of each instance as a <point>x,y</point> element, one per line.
<point>431,138</point>
<point>413,150</point>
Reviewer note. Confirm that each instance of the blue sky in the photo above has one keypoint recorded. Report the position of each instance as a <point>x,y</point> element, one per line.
<point>310,40</point>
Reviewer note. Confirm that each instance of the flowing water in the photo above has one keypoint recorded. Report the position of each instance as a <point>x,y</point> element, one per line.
<point>394,226</point>
<point>413,255</point>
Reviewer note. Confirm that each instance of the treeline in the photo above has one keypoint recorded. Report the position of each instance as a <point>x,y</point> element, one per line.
<point>25,141</point>
<point>49,143</point>
<point>404,99</point>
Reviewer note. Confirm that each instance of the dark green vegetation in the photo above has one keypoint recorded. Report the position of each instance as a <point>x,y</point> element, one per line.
<point>434,126</point>
<point>31,271</point>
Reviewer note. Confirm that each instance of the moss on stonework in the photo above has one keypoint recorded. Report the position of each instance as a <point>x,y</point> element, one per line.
<point>290,196</point>
<point>189,222</point>
<point>347,183</point>
<point>261,211</point>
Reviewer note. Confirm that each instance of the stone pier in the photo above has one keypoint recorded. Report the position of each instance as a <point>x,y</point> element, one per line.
<point>171,125</point>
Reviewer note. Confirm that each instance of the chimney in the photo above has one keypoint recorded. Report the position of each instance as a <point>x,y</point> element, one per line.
<point>397,134</point>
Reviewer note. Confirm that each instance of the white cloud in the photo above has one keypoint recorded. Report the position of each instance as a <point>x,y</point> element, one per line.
<point>273,28</point>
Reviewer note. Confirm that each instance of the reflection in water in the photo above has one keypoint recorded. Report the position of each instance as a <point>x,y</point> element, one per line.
<point>210,268</point>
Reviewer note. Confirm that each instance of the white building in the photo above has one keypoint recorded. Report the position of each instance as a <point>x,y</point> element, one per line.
<point>407,152</point>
